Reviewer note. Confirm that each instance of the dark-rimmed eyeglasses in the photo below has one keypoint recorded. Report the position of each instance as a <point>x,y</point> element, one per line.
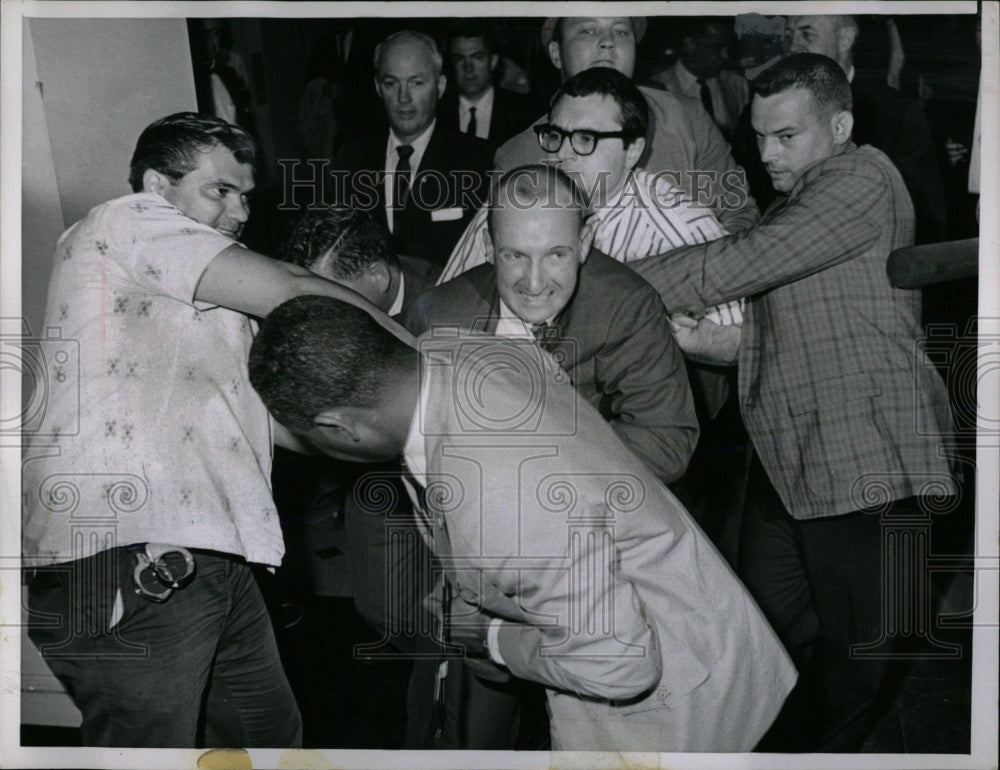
<point>582,140</point>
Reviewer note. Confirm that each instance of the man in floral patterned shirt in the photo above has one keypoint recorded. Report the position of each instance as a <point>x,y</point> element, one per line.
<point>165,448</point>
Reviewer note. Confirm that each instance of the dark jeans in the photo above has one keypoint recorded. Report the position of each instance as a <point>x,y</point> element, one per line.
<point>201,669</point>
<point>820,584</point>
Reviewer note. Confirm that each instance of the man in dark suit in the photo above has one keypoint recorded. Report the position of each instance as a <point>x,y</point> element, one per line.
<point>423,181</point>
<point>351,247</point>
<point>607,328</point>
<point>474,104</point>
<point>883,117</point>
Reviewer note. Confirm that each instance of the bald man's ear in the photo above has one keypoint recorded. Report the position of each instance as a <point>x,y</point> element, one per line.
<point>487,245</point>
<point>442,84</point>
<point>586,241</point>
<point>842,123</point>
<point>555,54</point>
<point>634,152</point>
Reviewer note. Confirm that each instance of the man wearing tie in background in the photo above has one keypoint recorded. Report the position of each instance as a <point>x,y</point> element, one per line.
<point>423,181</point>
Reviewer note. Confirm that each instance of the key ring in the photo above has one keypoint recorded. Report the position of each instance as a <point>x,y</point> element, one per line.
<point>162,561</point>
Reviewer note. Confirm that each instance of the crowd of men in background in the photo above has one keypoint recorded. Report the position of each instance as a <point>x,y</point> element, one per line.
<point>728,341</point>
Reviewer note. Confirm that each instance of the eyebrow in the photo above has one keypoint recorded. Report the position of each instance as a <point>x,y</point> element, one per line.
<point>228,185</point>
<point>784,130</point>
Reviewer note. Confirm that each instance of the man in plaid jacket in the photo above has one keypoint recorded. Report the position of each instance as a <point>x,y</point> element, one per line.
<point>844,413</point>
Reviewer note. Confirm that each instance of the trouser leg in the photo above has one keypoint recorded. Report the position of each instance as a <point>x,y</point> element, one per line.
<point>249,702</point>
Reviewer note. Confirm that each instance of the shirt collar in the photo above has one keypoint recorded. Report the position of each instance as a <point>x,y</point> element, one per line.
<point>397,304</point>
<point>510,317</point>
<point>419,144</point>
<point>415,450</point>
<point>485,100</point>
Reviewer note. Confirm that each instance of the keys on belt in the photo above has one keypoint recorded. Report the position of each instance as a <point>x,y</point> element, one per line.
<point>161,569</point>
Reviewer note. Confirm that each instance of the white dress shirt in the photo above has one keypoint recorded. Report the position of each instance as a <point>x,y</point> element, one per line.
<point>484,113</point>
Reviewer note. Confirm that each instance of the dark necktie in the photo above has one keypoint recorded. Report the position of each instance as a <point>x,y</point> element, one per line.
<point>471,127</point>
<point>401,187</point>
<point>545,333</point>
<point>706,96</point>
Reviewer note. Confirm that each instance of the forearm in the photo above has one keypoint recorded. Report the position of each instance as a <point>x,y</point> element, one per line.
<point>533,653</point>
<point>835,220</point>
<point>248,282</point>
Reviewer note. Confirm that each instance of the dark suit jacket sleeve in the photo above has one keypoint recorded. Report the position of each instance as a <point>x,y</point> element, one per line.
<point>829,222</point>
<point>733,204</point>
<point>642,372</point>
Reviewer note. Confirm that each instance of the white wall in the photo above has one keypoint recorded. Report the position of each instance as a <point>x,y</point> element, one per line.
<point>96,84</point>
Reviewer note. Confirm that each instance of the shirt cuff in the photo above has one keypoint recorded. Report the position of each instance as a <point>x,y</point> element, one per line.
<point>493,641</point>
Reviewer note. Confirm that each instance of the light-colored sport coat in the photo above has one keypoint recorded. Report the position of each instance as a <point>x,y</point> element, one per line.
<point>611,595</point>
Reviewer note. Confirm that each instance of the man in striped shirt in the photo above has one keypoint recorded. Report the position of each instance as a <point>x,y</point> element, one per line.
<point>633,213</point>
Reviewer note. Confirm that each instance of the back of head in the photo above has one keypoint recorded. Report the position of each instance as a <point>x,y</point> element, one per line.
<point>536,185</point>
<point>410,36</point>
<point>605,81</point>
<point>171,145</point>
<point>313,353</point>
<point>338,243</point>
<point>819,75</point>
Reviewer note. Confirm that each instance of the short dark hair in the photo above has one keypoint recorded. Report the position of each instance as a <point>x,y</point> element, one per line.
<point>472,28</point>
<point>535,183</point>
<point>819,75</point>
<point>354,238</point>
<point>171,145</point>
<point>313,353</point>
<point>605,81</point>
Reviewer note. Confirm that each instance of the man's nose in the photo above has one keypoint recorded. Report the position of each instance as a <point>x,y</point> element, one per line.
<point>607,39</point>
<point>566,151</point>
<point>467,66</point>
<point>403,95</point>
<point>238,208</point>
<point>535,276</point>
<point>768,149</point>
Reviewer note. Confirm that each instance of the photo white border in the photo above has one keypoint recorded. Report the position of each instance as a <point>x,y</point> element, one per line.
<point>985,636</point>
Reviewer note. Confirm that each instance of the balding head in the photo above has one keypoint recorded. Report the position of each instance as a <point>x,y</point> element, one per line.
<point>832,36</point>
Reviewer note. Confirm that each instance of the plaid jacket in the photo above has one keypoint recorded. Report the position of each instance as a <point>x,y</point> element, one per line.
<point>843,406</point>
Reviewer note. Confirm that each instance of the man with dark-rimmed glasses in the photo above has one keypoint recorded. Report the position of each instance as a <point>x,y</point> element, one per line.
<point>595,132</point>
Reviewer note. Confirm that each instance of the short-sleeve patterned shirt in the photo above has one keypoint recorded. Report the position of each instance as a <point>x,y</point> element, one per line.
<point>161,438</point>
